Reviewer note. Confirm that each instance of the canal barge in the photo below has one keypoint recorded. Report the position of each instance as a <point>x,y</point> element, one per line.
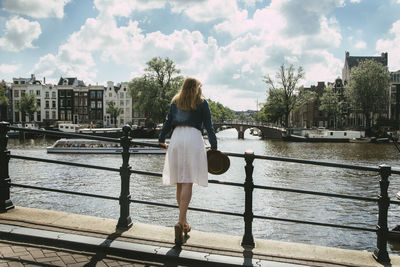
<point>87,146</point>
<point>323,135</point>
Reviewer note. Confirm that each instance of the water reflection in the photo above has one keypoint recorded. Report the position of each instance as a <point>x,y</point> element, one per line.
<point>266,202</point>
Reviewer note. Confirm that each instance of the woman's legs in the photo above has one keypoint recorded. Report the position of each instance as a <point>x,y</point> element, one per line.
<point>183,196</point>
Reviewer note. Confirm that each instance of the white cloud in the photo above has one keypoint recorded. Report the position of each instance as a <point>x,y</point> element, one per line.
<point>259,45</point>
<point>9,68</point>
<point>355,1</point>
<point>36,8</point>
<point>360,45</point>
<point>19,34</point>
<point>125,7</point>
<point>391,46</point>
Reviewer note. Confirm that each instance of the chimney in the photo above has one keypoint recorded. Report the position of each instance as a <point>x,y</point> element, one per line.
<point>347,53</point>
<point>44,80</point>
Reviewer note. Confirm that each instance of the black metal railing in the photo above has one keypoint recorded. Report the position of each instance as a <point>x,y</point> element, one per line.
<point>125,221</point>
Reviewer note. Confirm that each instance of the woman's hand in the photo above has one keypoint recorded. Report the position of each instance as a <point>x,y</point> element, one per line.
<point>163,146</point>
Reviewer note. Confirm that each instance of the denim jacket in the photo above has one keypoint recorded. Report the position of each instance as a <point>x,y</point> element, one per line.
<point>199,118</point>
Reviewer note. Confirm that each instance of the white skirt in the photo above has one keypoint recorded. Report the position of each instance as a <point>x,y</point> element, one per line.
<point>186,159</point>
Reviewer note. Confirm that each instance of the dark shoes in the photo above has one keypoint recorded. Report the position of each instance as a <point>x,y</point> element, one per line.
<point>180,231</point>
<point>178,234</point>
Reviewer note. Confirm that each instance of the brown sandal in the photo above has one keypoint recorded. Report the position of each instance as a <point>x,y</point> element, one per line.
<point>178,234</point>
<point>186,228</point>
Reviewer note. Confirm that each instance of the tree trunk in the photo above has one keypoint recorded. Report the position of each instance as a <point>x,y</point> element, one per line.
<point>367,120</point>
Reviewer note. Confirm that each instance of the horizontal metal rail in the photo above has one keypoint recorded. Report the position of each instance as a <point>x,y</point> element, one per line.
<point>65,134</point>
<point>64,191</point>
<point>156,174</point>
<point>85,136</point>
<point>195,209</point>
<point>65,163</point>
<point>315,223</point>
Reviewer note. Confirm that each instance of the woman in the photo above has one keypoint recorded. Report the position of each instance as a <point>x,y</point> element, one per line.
<point>186,159</point>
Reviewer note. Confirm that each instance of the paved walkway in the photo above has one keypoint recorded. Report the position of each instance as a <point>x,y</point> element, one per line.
<point>34,237</point>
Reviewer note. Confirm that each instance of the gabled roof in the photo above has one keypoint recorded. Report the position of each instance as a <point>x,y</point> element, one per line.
<point>68,81</point>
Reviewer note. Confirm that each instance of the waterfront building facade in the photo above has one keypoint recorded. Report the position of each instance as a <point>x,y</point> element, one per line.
<point>95,105</point>
<point>119,95</point>
<point>23,86</point>
<point>49,107</point>
<point>355,118</point>
<point>394,97</point>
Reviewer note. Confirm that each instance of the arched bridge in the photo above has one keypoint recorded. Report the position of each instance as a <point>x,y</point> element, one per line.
<point>267,131</point>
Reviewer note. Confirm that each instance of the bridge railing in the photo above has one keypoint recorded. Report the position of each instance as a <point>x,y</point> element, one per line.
<point>125,221</point>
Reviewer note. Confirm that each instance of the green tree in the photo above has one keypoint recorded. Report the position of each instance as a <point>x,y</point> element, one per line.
<point>27,105</point>
<point>114,111</point>
<point>330,103</point>
<point>154,90</point>
<point>3,96</point>
<point>274,109</point>
<point>368,88</point>
<point>3,99</point>
<point>287,81</point>
<point>219,112</point>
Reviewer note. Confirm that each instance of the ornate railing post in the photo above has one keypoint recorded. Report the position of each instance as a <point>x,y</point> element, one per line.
<point>248,239</point>
<point>5,201</point>
<point>125,220</point>
<point>380,253</point>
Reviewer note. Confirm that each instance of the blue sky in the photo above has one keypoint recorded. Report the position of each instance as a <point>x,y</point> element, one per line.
<point>228,44</point>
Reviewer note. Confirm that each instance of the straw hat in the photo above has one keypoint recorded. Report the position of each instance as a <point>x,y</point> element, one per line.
<point>218,162</point>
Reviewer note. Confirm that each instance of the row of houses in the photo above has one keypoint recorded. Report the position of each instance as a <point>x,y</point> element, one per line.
<point>70,100</point>
<point>310,116</point>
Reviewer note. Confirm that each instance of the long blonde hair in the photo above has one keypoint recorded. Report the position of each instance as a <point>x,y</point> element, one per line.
<point>189,96</point>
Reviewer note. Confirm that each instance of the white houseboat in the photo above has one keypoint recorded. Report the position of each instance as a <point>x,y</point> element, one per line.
<point>324,135</point>
<point>87,146</point>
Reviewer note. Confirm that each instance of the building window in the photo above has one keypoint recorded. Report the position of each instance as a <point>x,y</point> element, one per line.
<point>99,104</point>
<point>31,92</point>
<point>16,93</point>
<point>38,92</point>
<point>121,95</point>
<point>53,115</point>
<point>53,103</point>
<point>47,104</point>
<point>53,95</point>
<point>47,115</point>
<point>121,102</point>
<point>110,94</point>
<point>69,94</point>
<point>62,93</point>
<point>99,94</point>
<point>92,94</point>
<point>47,95</point>
<point>93,104</point>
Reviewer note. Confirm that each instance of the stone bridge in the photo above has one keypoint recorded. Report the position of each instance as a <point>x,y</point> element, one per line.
<point>267,131</point>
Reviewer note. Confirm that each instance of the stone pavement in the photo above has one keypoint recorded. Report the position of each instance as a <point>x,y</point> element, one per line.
<point>34,237</point>
<point>14,253</point>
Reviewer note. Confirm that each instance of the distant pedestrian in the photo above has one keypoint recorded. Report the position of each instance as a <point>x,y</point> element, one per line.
<point>186,159</point>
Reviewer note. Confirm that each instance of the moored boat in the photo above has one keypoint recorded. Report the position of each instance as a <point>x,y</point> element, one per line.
<point>87,146</point>
<point>323,135</point>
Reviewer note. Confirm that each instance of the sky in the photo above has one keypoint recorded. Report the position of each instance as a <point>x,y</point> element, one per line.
<point>229,45</point>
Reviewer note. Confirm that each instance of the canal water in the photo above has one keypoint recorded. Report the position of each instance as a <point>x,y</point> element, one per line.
<point>267,203</point>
